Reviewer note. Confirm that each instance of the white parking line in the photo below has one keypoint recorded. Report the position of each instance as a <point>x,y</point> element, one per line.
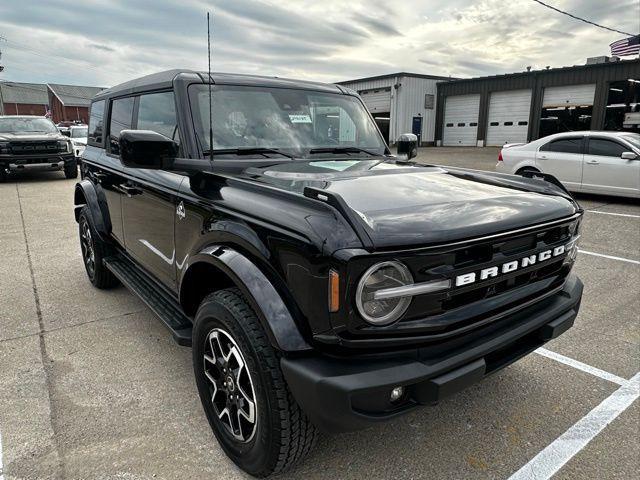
<point>610,257</point>
<point>1,466</point>
<point>615,214</point>
<point>582,366</point>
<point>566,446</point>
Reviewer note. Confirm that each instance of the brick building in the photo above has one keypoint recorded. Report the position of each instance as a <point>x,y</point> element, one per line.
<point>23,98</point>
<point>70,102</point>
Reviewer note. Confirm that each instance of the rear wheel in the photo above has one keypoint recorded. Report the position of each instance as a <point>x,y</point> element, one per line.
<point>243,391</point>
<point>71,169</point>
<point>93,251</point>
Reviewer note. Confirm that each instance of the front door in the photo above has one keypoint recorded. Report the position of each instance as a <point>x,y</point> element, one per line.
<point>562,158</point>
<point>416,128</point>
<point>606,172</point>
<point>149,206</point>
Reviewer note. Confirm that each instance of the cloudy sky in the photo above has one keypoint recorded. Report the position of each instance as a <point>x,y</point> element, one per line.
<point>104,42</point>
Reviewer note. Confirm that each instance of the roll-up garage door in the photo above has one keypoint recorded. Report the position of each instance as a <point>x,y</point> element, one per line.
<point>508,117</point>
<point>377,100</point>
<point>461,120</point>
<point>569,96</point>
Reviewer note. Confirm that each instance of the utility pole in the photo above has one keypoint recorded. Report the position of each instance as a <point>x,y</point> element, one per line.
<point>1,69</point>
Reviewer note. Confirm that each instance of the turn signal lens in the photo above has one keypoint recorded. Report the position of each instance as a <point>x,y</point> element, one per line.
<point>334,291</point>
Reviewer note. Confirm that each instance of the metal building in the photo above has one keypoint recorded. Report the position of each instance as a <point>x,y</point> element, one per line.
<point>604,94</point>
<point>401,103</point>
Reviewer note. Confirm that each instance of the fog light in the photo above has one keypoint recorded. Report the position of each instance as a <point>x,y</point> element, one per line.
<point>397,393</point>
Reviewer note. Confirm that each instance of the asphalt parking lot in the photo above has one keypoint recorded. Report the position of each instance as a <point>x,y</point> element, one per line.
<point>92,385</point>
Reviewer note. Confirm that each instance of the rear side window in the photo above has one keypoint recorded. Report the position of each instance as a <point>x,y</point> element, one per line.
<point>96,124</point>
<point>565,145</point>
<point>121,119</point>
<point>606,148</point>
<point>157,112</point>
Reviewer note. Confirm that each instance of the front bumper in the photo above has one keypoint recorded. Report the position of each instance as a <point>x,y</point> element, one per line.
<point>343,394</point>
<point>36,162</point>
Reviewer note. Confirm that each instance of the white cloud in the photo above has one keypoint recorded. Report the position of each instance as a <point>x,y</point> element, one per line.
<point>106,42</point>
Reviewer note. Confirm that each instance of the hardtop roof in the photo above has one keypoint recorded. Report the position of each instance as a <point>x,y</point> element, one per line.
<point>160,80</point>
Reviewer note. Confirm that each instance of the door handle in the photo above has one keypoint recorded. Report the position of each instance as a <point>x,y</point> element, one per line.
<point>542,157</point>
<point>593,162</point>
<point>129,191</point>
<point>99,176</point>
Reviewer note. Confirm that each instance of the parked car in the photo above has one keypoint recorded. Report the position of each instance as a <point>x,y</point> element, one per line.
<point>588,161</point>
<point>320,281</point>
<point>34,143</point>
<point>78,135</point>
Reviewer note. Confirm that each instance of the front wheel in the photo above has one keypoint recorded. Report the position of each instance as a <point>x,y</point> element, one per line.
<point>243,392</point>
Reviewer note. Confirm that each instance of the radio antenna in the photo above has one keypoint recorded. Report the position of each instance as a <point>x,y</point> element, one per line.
<point>210,80</point>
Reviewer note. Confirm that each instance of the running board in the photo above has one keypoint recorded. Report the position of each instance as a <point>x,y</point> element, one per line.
<point>161,303</point>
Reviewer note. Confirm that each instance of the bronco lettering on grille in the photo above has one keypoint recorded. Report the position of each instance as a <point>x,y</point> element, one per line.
<point>512,266</point>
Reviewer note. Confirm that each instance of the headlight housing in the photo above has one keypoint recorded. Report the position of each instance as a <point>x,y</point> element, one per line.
<point>381,276</point>
<point>64,146</point>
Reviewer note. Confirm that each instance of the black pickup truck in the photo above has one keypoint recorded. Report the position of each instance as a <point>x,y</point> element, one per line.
<point>321,281</point>
<point>34,143</point>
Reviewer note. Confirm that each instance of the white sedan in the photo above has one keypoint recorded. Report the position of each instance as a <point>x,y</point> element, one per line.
<point>589,161</point>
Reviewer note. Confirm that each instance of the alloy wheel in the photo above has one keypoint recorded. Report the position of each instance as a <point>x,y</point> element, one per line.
<point>232,394</point>
<point>86,243</point>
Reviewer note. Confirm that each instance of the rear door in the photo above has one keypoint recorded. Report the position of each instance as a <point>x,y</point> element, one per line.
<point>606,172</point>
<point>562,158</point>
<point>149,199</point>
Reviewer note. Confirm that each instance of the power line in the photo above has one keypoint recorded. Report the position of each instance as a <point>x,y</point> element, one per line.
<point>583,19</point>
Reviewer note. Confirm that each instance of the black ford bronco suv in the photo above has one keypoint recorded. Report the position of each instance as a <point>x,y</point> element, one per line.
<point>34,143</point>
<point>320,281</point>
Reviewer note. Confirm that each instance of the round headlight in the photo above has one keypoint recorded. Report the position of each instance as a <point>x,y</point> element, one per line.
<point>382,276</point>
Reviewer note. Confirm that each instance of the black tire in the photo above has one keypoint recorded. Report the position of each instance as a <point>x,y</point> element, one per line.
<point>282,433</point>
<point>71,169</point>
<point>3,175</point>
<point>93,251</point>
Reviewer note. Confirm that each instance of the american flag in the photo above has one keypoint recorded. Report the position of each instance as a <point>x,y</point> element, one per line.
<point>626,46</point>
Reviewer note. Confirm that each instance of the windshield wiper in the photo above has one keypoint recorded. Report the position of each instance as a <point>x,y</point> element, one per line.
<point>338,150</point>
<point>250,151</point>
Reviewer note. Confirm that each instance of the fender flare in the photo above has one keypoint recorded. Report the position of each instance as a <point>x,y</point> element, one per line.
<point>95,200</point>
<point>273,313</point>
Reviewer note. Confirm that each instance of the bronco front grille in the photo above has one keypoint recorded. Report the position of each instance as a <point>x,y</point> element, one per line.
<point>462,306</point>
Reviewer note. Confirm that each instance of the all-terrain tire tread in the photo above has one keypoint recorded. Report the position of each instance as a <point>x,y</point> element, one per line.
<point>297,434</point>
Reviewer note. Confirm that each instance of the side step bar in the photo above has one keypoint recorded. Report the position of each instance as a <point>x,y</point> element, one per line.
<point>162,304</point>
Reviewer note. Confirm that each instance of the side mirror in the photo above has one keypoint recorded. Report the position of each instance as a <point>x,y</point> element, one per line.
<point>147,149</point>
<point>628,156</point>
<point>408,145</point>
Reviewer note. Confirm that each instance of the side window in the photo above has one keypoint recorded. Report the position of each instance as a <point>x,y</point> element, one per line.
<point>566,145</point>
<point>607,148</point>
<point>96,124</point>
<point>121,119</point>
<point>157,112</point>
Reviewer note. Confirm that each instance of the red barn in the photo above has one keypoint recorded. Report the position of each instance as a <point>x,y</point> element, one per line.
<point>70,102</point>
<point>23,98</point>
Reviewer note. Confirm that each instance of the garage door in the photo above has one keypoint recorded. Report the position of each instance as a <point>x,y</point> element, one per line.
<point>377,100</point>
<point>569,96</point>
<point>508,117</point>
<point>461,120</point>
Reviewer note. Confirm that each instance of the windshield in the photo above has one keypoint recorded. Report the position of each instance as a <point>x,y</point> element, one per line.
<point>633,139</point>
<point>79,132</point>
<point>282,119</point>
<point>23,124</point>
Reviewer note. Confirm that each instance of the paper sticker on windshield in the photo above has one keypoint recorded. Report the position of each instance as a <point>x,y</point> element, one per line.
<point>300,118</point>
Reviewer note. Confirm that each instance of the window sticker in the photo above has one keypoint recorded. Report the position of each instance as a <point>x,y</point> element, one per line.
<point>338,165</point>
<point>300,118</point>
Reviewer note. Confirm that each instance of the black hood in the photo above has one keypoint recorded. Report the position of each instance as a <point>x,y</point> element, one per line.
<point>411,205</point>
<point>31,136</point>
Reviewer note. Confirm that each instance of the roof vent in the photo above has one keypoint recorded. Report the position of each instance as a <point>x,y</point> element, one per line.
<point>602,59</point>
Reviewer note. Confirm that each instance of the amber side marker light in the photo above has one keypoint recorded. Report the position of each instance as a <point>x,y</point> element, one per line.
<point>334,291</point>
